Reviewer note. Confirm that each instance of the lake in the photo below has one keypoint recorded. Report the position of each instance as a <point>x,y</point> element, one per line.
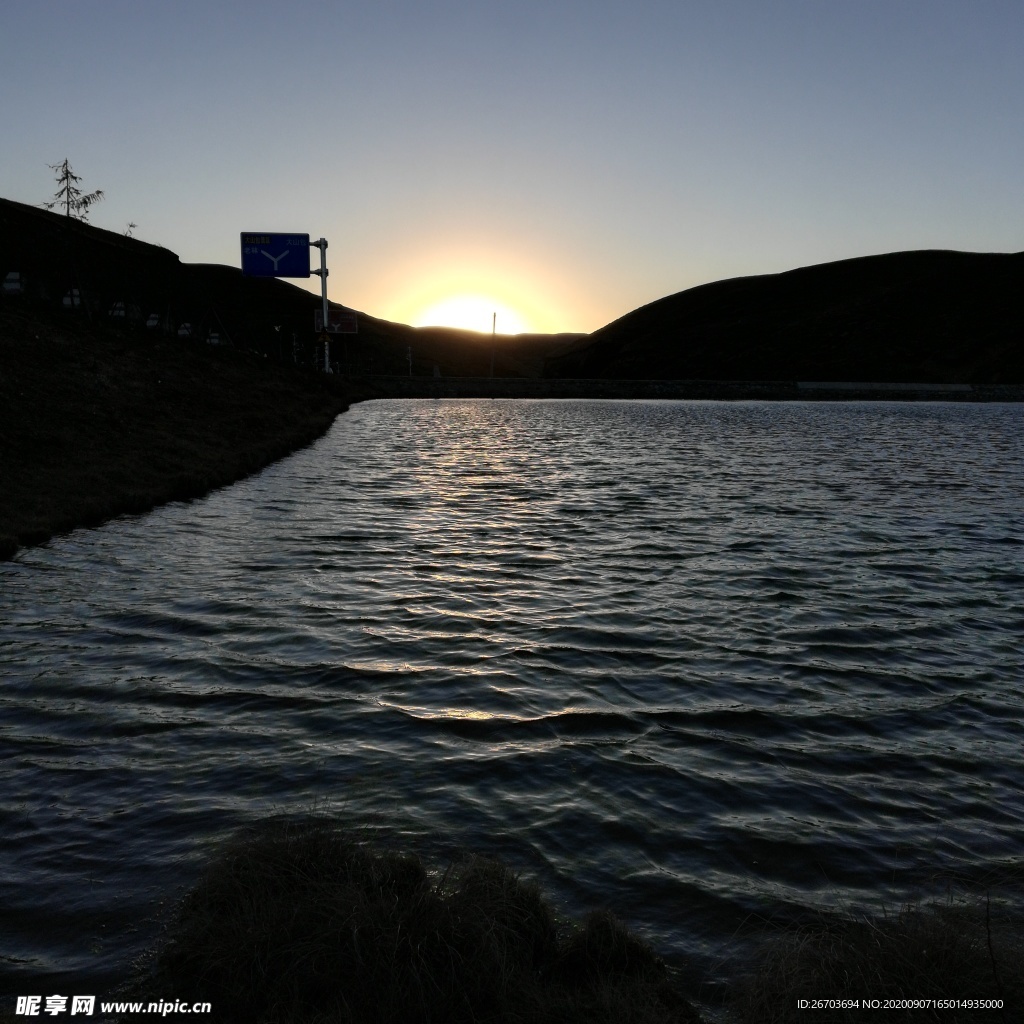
<point>708,664</point>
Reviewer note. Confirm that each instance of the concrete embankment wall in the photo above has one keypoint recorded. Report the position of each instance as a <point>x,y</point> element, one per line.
<point>369,387</point>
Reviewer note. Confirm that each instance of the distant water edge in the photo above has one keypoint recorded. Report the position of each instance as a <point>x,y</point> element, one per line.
<point>508,387</point>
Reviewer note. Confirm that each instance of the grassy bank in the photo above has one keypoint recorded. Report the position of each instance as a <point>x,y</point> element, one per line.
<point>955,961</point>
<point>95,422</point>
<point>297,922</point>
<point>301,922</point>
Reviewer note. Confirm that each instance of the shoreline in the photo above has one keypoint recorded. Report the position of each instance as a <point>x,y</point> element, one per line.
<point>97,422</point>
<point>369,387</point>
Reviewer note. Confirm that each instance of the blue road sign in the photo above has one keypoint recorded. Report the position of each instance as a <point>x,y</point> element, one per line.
<point>267,255</point>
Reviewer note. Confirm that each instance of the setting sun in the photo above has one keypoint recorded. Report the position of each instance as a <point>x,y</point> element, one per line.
<point>472,313</point>
<point>461,282</point>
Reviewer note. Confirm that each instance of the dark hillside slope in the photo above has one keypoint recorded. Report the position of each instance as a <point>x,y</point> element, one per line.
<point>55,254</point>
<point>931,316</point>
<point>97,277</point>
<point>96,422</point>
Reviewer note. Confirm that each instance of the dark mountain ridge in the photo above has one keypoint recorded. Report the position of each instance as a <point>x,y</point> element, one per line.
<point>926,316</point>
<point>128,282</point>
<point>931,316</point>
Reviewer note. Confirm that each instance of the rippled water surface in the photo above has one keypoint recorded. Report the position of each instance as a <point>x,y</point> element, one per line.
<point>689,660</point>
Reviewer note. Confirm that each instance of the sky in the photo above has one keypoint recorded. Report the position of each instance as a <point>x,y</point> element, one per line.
<point>557,162</point>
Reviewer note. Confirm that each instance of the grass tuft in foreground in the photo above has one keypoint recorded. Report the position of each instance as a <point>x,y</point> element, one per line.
<point>951,952</point>
<point>301,923</point>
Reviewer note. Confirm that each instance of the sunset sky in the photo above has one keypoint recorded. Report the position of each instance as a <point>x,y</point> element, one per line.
<point>561,161</point>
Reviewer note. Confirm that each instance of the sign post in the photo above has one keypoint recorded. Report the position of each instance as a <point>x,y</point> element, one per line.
<point>321,244</point>
<point>265,254</point>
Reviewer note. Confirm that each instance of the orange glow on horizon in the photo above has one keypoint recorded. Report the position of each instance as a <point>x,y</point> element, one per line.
<point>472,312</point>
<point>463,285</point>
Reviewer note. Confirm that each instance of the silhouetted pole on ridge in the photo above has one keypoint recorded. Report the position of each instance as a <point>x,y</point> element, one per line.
<point>321,244</point>
<point>494,328</point>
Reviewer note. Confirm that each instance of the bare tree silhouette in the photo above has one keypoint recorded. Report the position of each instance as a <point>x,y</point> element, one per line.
<point>69,195</point>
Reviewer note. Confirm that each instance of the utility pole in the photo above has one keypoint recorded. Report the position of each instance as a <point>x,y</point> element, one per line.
<point>494,328</point>
<point>321,244</point>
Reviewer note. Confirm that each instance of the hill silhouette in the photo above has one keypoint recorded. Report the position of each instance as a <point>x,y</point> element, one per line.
<point>135,281</point>
<point>931,316</point>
